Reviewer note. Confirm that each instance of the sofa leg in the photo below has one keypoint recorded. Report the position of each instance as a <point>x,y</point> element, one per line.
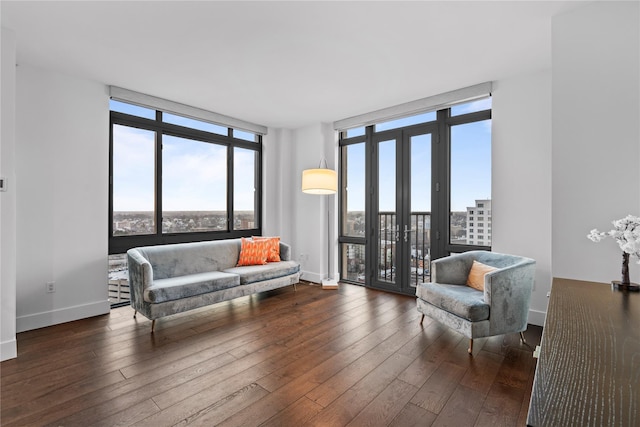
<point>470,350</point>
<point>153,325</point>
<point>522,340</point>
<point>421,319</point>
<point>294,288</point>
<point>134,314</point>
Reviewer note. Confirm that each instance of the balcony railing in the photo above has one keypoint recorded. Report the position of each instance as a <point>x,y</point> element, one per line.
<point>419,238</point>
<point>118,280</point>
<point>389,236</point>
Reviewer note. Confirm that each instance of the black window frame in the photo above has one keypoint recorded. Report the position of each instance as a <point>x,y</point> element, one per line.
<point>441,213</point>
<point>120,244</point>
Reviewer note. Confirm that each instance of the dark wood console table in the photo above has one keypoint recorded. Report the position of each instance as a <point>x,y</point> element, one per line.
<point>588,372</point>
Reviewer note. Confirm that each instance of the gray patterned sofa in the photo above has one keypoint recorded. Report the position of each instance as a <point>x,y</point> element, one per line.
<point>170,279</point>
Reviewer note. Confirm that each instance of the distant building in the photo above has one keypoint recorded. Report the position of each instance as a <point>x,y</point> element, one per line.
<point>479,223</point>
<point>353,261</point>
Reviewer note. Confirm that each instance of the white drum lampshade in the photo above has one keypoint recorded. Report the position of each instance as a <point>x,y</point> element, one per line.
<point>319,181</point>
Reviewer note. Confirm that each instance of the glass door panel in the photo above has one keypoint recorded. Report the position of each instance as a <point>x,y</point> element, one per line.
<point>387,228</point>
<point>420,210</point>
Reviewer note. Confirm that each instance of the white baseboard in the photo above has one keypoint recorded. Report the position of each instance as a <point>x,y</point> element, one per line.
<point>309,276</point>
<point>537,317</point>
<point>63,315</point>
<point>8,350</point>
<point>329,284</point>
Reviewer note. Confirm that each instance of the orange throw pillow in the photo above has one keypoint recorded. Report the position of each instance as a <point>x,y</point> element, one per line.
<point>476,275</point>
<point>253,252</point>
<point>274,247</point>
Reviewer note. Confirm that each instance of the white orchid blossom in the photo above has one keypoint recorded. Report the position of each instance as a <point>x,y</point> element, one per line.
<point>626,233</point>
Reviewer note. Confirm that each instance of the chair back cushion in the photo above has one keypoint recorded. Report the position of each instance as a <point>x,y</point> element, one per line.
<point>475,279</point>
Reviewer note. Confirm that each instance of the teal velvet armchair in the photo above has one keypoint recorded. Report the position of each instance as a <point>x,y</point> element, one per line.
<point>501,308</point>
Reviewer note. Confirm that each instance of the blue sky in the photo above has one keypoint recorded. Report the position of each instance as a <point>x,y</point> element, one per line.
<point>194,173</point>
<point>470,165</point>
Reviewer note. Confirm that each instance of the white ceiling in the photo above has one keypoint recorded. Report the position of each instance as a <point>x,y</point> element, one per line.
<point>286,64</point>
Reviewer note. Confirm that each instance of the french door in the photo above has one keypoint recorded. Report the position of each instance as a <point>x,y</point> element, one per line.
<point>413,190</point>
<point>402,196</point>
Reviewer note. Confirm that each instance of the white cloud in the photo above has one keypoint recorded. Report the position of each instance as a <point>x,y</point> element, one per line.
<point>133,169</point>
<point>194,173</point>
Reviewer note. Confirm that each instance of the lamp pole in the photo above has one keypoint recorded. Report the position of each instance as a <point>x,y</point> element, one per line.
<point>323,181</point>
<point>328,241</point>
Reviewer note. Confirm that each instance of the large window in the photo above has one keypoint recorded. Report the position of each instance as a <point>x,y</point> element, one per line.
<point>470,183</point>
<point>411,191</point>
<point>352,258</point>
<point>177,179</point>
<point>133,181</point>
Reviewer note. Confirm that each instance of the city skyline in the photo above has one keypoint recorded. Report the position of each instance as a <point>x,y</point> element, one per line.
<point>144,222</point>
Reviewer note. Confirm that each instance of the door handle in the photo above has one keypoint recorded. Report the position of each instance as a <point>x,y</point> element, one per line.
<point>397,233</point>
<point>406,233</point>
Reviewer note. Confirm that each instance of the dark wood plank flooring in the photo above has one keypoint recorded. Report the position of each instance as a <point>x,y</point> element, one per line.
<point>314,357</point>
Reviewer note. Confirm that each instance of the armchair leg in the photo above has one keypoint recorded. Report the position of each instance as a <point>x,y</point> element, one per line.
<point>134,314</point>
<point>153,325</point>
<point>421,319</point>
<point>470,350</point>
<point>522,340</point>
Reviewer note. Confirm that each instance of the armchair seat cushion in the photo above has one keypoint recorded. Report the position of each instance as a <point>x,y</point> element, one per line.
<point>461,300</point>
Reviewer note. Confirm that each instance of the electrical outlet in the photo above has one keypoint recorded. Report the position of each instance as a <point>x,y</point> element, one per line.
<point>50,287</point>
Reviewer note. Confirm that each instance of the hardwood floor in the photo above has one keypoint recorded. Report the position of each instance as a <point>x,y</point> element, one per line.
<point>282,358</point>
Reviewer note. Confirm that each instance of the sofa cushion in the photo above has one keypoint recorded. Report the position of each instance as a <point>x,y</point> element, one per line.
<point>274,247</point>
<point>178,287</point>
<point>253,252</point>
<point>181,259</point>
<point>461,300</point>
<point>258,273</point>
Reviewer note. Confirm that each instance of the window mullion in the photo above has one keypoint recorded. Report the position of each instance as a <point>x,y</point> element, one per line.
<point>158,192</point>
<point>230,207</point>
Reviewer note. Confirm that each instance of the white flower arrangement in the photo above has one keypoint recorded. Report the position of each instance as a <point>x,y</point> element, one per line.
<point>626,232</point>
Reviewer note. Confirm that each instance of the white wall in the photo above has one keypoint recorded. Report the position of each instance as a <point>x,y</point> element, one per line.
<point>304,216</point>
<point>276,165</point>
<point>521,183</point>
<point>279,191</point>
<point>62,158</point>
<point>8,347</point>
<point>596,135</point>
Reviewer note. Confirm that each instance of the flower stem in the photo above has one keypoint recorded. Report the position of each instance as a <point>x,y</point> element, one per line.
<point>625,269</point>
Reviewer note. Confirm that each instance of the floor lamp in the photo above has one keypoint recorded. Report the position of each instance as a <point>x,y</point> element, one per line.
<point>323,181</point>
